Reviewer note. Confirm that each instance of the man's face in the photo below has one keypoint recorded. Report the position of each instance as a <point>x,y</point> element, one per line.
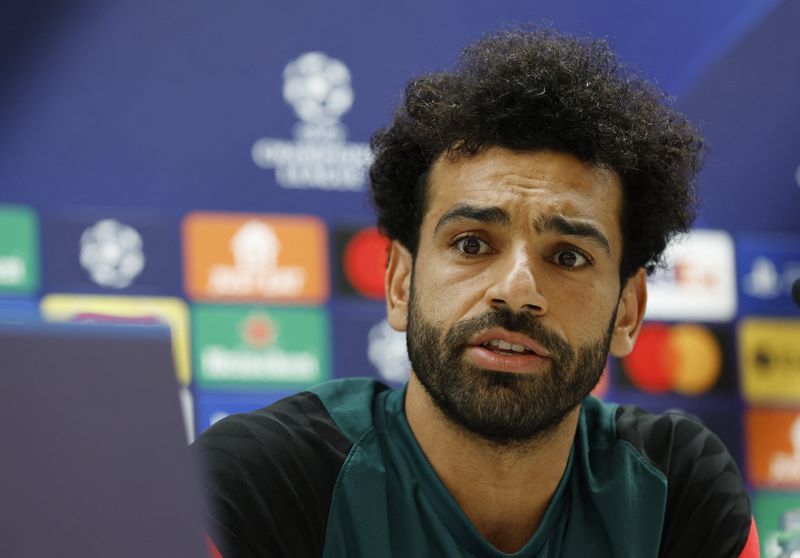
<point>515,289</point>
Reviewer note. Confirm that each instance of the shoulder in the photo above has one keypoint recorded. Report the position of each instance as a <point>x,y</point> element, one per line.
<point>270,473</point>
<point>351,403</point>
<point>707,510</point>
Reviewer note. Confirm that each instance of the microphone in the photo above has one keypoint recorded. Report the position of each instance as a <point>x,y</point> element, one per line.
<point>796,292</point>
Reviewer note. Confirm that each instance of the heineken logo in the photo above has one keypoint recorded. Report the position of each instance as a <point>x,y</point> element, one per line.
<point>223,364</point>
<point>258,331</point>
<point>260,347</point>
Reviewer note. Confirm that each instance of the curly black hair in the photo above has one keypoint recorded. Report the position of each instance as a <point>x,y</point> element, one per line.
<point>542,90</point>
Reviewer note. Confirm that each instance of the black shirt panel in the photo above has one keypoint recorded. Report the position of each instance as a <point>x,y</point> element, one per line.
<point>270,475</point>
<point>708,511</point>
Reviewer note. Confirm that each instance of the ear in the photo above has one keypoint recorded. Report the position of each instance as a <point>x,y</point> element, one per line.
<point>630,314</point>
<point>398,286</point>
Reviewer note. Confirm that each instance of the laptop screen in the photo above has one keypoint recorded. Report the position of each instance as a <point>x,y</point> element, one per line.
<point>94,458</point>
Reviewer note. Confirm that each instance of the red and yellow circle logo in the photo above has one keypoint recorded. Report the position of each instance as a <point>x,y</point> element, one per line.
<point>684,358</point>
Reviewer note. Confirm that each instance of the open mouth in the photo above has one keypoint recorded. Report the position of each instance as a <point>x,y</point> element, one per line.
<point>504,347</point>
<point>506,351</point>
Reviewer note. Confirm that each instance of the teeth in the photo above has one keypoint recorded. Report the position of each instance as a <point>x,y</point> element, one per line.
<point>500,344</point>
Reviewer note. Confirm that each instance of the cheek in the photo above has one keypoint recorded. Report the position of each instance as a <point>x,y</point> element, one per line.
<point>584,311</point>
<point>447,294</point>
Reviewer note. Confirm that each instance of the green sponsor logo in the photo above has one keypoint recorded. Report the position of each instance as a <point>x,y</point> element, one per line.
<point>777,515</point>
<point>258,346</point>
<point>19,250</point>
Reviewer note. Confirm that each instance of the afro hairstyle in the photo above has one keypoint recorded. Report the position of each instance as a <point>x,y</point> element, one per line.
<point>538,89</point>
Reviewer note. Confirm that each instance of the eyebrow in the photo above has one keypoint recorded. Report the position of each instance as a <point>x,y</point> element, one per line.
<point>546,223</point>
<point>485,215</point>
<point>561,225</point>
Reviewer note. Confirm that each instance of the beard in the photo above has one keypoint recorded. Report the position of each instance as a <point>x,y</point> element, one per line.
<point>503,408</point>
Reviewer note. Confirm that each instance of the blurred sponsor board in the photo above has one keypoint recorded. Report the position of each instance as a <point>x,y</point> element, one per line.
<point>260,347</point>
<point>255,258</point>
<point>19,250</point>
<point>685,359</point>
<point>699,282</point>
<point>772,437</point>
<point>777,515</point>
<point>769,354</point>
<point>768,265</point>
<point>361,255</point>
<point>110,252</point>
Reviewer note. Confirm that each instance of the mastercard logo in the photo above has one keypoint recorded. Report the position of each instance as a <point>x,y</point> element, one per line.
<point>683,358</point>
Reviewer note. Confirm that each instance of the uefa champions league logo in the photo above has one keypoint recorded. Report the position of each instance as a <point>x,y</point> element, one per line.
<point>112,253</point>
<point>319,90</point>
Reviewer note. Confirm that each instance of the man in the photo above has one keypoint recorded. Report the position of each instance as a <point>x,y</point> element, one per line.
<point>526,194</point>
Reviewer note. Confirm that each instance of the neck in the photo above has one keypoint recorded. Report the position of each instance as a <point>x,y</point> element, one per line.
<point>503,490</point>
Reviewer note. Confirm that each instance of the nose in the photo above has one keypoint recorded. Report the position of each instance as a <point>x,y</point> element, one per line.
<point>515,284</point>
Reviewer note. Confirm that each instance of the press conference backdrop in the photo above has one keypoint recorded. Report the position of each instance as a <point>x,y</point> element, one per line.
<point>203,165</point>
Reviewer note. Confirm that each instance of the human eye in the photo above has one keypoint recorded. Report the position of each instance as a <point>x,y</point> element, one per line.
<point>572,258</point>
<point>471,246</point>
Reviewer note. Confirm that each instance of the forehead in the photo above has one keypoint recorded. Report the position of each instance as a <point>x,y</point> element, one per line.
<point>528,185</point>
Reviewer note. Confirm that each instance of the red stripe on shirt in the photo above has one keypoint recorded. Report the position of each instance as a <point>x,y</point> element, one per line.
<point>751,548</point>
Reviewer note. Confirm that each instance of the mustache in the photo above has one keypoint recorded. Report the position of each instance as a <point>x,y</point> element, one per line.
<point>517,322</point>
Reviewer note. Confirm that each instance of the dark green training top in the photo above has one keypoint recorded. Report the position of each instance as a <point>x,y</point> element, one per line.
<point>336,472</point>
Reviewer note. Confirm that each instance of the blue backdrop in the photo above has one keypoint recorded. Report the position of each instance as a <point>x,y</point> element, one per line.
<point>141,112</point>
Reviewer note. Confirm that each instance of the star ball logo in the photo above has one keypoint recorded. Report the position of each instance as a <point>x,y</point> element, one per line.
<point>386,351</point>
<point>319,90</point>
<point>112,253</point>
